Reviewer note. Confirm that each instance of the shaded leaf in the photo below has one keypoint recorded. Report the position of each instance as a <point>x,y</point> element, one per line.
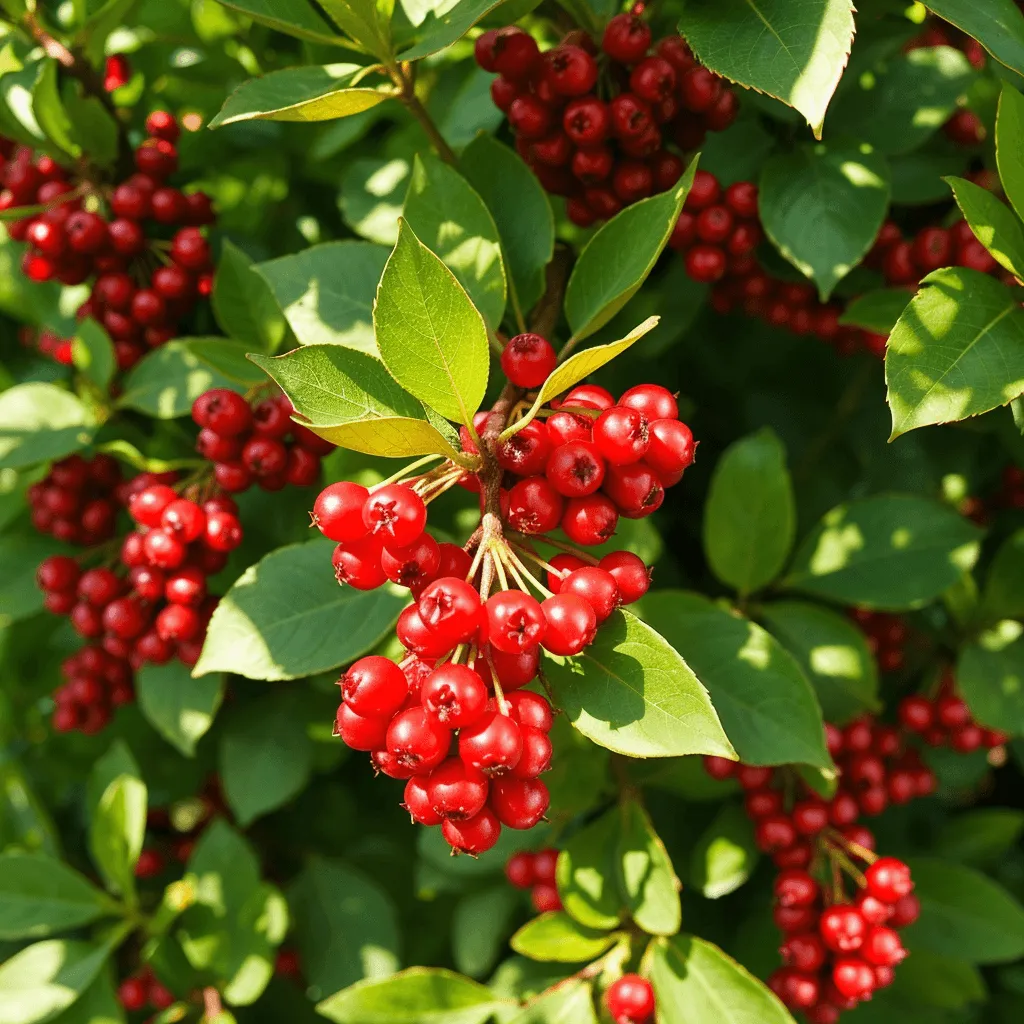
<point>480,928</point>
<point>180,707</point>
<point>877,310</point>
<point>997,24</point>
<point>438,31</point>
<point>1003,596</point>
<point>243,304</point>
<point>980,837</point>
<point>293,17</point>
<point>725,855</point>
<point>93,353</point>
<point>39,422</point>
<point>586,874</point>
<point>646,877</point>
<point>117,813</point>
<point>1010,143</point>
<point>990,677</point>
<point>993,223</point>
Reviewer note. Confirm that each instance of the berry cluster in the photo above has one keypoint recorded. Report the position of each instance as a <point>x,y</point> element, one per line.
<point>143,286</point>
<point>256,445</point>
<point>886,636</point>
<point>594,125</point>
<point>946,721</point>
<point>536,872</point>
<point>904,261</point>
<point>142,990</point>
<point>96,683</point>
<point>630,1000</point>
<point>77,501</point>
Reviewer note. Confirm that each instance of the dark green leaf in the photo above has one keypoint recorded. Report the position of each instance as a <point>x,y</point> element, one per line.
<point>982,837</point>
<point>794,50</point>
<point>833,653</point>
<point>245,308</point>
<point>1004,586</point>
<point>1010,144</point>
<point>822,206</point>
<point>930,979</point>
<point>439,31</point>
<point>646,877</point>
<point>93,353</point>
<point>876,311</point>
<point>631,692</point>
<point>294,17</point>
<point>430,335</point>
<point>555,936</point>
<point>749,518</point>
<point>996,24</point>
<point>725,855</point>
<point>39,422</point>
<point>327,292</point>
<point>892,551</point>
<point>957,351</point>
<point>95,129</point>
<point>480,928</point>
<point>767,707</point>
<point>98,1004</point>
<point>47,977</point>
<point>280,619</point>
<point>117,817</point>
<point>990,677</point>
<point>586,873</point>
<point>994,225</point>
<point>49,111</point>
<point>24,821</point>
<point>178,706</point>
<point>618,258</point>
<point>20,554</point>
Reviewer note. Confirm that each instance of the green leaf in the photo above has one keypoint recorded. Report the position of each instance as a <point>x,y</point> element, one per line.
<point>749,518</point>
<point>419,995</point>
<point>439,30</point>
<point>646,877</point>
<point>1003,597</point>
<point>555,936</point>
<point>929,979</point>
<point>521,211</point>
<point>351,399</point>
<point>981,837</point>
<point>995,226</point>
<point>767,707</point>
<point>98,1004</point>
<point>822,207</point>
<point>40,896</point>
<point>876,310</point>
<point>586,874</point>
<point>46,978</point>
<point>165,383</point>
<point>618,258</point>
<point>1010,145</point>
<point>39,422</point>
<point>892,551</point>
<point>794,50</point>
<point>178,706</point>
<point>371,197</point>
<point>480,928</point>
<point>346,925</point>
<point>280,619</point>
<point>833,654</point>
<point>430,335</point>
<point>570,1002</point>
<point>451,220</point>
<point>996,24</point>
<point>327,292</point>
<point>50,113</point>
<point>630,691</point>
<point>725,855</point>
<point>308,93</point>
<point>24,820</point>
<point>245,308</point>
<point>95,129</point>
<point>93,353</point>
<point>293,17</point>
<point>367,22</point>
<point>117,825</point>
<point>964,914</point>
<point>696,983</point>
<point>957,350</point>
<point>20,554</point>
<point>903,100</point>
<point>990,677</point>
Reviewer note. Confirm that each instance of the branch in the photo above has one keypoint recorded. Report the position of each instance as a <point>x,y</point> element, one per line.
<point>548,310</point>
<point>403,78</point>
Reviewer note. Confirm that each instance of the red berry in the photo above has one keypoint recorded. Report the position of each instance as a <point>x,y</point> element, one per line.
<point>450,609</point>
<point>223,531</point>
<point>455,695</point>
<point>796,889</point>
<point>590,520</point>
<point>888,879</point>
<point>842,928</point>
<point>570,70</point>
<point>534,506</point>
<point>536,756</point>
<point>596,586</point>
<point>374,687</point>
<point>705,264</point>
<point>456,791</point>
<point>527,360</point>
<point>475,835</point>
<point>133,994</point>
<point>412,566</point>
<point>626,39</point>
<point>222,411</point>
<point>358,732</point>
<point>396,514</point>
<point>576,468</point>
<point>635,489</point>
<point>57,573</point>
<point>774,832</point>
<point>519,803</point>
<point>853,978</point>
<point>571,624</point>
<point>124,618</point>
<point>417,739</point>
<point>515,621</point>
<point>526,452</point>
<point>358,564</point>
<point>621,435</point>
<point>519,870</point>
<point>630,999</point>
<point>338,511</point>
<point>493,744</point>
<point>417,801</point>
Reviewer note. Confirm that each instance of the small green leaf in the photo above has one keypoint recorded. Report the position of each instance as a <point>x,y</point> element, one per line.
<point>794,50</point>
<point>646,877</point>
<point>990,677</point>
<point>822,206</point>
<point>180,707</point>
<point>749,518</point>
<point>439,30</point>
<point>995,226</point>
<point>280,619</point>
<point>92,352</point>
<point>1010,143</point>
<point>1003,597</point>
<point>618,258</point>
<point>555,936</point>
<point>725,855</point>
<point>293,17</point>
<point>957,350</point>
<point>302,94</point>
<point>430,335</point>
<point>892,551</point>
<point>570,1002</point>
<point>117,819</point>
<point>996,24</point>
<point>367,22</point>
<point>245,308</point>
<point>767,707</point>
<point>586,874</point>
<point>326,292</point>
<point>877,310</point>
<point>39,422</point>
<point>630,691</point>
<point>165,383</point>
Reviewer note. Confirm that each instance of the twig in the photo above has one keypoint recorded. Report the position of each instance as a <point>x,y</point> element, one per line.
<point>402,77</point>
<point>549,309</point>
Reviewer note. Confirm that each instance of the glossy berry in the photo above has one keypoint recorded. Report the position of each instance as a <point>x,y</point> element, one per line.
<point>519,803</point>
<point>417,739</point>
<point>456,791</point>
<point>527,360</point>
<point>374,687</point>
<point>493,744</point>
<point>455,695</point>
<point>888,879</point>
<point>475,835</point>
<point>621,435</point>
<point>630,1000</point>
<point>515,621</point>
<point>571,624</point>
<point>626,39</point>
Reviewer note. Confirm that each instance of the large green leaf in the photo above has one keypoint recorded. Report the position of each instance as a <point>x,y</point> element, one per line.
<point>794,50</point>
<point>555,936</point>
<point>98,1004</point>
<point>327,292</point>
<point>990,677</point>
<point>964,914</point>
<point>587,874</point>
<point>92,352</point>
<point>1010,145</point>
<point>929,979</point>
<point>41,896</point>
<point>180,707</point>
<point>39,422</point>
<point>833,653</point>
<point>766,705</point>
<point>43,979</point>
<point>350,398</point>
<point>876,310</point>
<point>996,24</point>
<point>696,983</point>
<point>117,812</point>
<point>367,22</point>
<point>281,618</point>
<point>571,1002</point>
<point>995,226</point>
<point>245,307</point>
<point>618,258</point>
<point>892,551</point>
<point>431,337</point>
<point>749,517</point>
<point>371,197</point>
<point>294,17</point>
<point>957,350</point>
<point>646,877</point>
<point>982,837</point>
<point>453,222</point>
<point>446,24</point>
<point>630,691</point>
<point>725,855</point>
<point>1003,597</point>
<point>822,206</point>
<point>346,925</point>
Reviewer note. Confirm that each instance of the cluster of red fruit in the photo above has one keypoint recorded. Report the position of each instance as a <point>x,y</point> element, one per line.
<point>604,153</point>
<point>536,871</point>
<point>142,990</point>
<point>904,261</point>
<point>886,637</point>
<point>77,501</point>
<point>256,445</point>
<point>96,683</point>
<point>946,721</point>
<point>75,239</point>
